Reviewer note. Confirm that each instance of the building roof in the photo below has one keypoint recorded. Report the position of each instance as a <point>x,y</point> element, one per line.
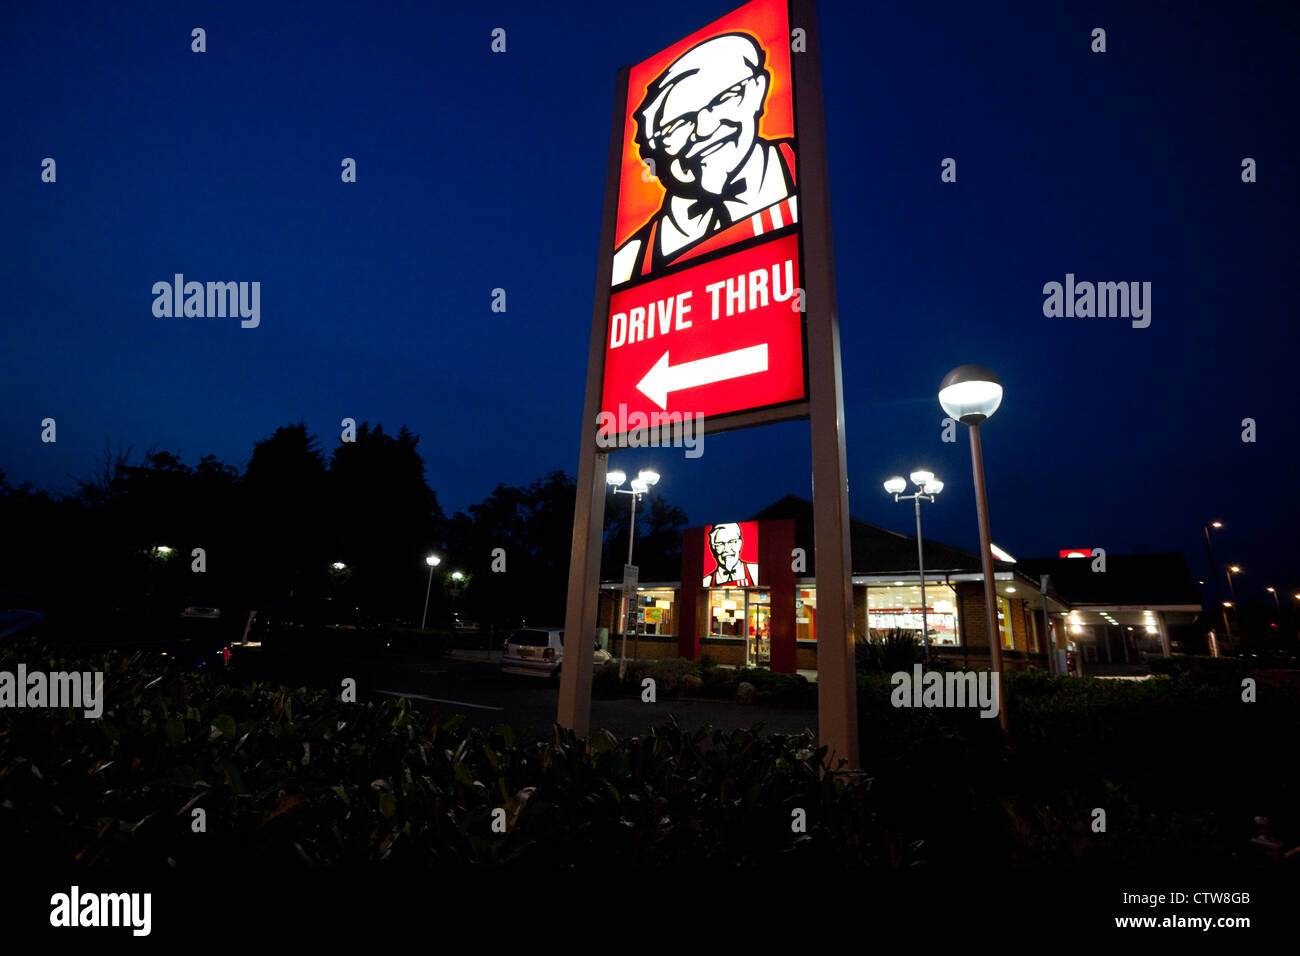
<point>876,550</point>
<point>1130,580</point>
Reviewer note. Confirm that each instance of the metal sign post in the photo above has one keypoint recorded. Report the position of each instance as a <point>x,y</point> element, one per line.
<point>630,579</point>
<point>837,692</point>
<point>574,709</point>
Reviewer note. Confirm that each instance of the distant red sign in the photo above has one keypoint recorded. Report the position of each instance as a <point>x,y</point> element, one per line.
<point>1076,552</point>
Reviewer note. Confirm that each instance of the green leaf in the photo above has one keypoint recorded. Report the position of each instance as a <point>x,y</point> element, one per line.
<point>175,730</point>
<point>233,777</point>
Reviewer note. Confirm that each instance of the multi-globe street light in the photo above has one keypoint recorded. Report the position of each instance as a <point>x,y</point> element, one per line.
<point>645,479</point>
<point>338,574</point>
<point>1218,595</point>
<point>970,394</point>
<point>927,487</point>
<point>432,561</point>
<point>1228,572</point>
<point>456,589</point>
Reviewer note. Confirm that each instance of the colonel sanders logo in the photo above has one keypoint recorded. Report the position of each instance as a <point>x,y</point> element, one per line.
<point>725,542</point>
<point>697,128</point>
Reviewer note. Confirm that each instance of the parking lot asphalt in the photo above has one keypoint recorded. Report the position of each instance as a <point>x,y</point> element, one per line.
<point>476,689</point>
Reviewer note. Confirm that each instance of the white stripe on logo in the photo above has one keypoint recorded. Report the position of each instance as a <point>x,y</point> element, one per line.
<point>776,217</point>
<point>794,211</point>
<point>757,220</point>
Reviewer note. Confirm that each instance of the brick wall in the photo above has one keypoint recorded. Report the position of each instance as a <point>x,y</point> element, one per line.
<point>650,647</point>
<point>607,610</point>
<point>975,632</point>
<point>1019,636</point>
<point>975,641</point>
<point>724,652</point>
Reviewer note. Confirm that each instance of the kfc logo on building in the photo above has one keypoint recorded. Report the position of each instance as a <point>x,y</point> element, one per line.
<point>728,546</point>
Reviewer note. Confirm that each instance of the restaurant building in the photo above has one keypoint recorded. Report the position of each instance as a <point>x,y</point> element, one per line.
<point>747,596</point>
<point>1137,607</point>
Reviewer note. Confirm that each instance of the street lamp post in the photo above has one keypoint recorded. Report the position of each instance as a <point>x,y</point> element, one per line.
<point>970,394</point>
<point>1276,603</point>
<point>432,561</point>
<point>927,487</point>
<point>1228,572</point>
<point>1218,595</point>
<point>642,483</point>
<point>338,574</point>
<point>456,588</point>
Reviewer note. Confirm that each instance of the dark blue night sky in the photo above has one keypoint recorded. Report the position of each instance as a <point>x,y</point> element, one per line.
<point>479,171</point>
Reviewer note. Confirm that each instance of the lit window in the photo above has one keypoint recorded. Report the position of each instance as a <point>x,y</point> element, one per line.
<point>1004,621</point>
<point>897,609</point>
<point>726,612</point>
<point>805,614</point>
<point>656,609</point>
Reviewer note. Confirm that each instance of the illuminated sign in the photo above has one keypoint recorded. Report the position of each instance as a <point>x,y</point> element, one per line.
<point>731,555</point>
<point>706,306</point>
<point>1076,553</point>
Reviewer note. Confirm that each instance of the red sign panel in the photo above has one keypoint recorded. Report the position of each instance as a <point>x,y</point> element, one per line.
<point>1076,553</point>
<point>706,310</point>
<point>710,340</point>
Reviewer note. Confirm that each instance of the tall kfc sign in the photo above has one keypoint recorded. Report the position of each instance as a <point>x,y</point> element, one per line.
<point>715,298</point>
<point>706,305</point>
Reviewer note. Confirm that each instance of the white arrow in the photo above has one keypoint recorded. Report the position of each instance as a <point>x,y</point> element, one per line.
<point>664,378</point>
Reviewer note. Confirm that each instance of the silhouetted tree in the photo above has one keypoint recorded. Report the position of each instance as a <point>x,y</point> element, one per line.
<point>285,503</point>
<point>383,519</point>
<point>657,551</point>
<point>529,531</point>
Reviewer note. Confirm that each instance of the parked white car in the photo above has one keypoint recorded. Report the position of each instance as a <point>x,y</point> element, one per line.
<point>539,652</point>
